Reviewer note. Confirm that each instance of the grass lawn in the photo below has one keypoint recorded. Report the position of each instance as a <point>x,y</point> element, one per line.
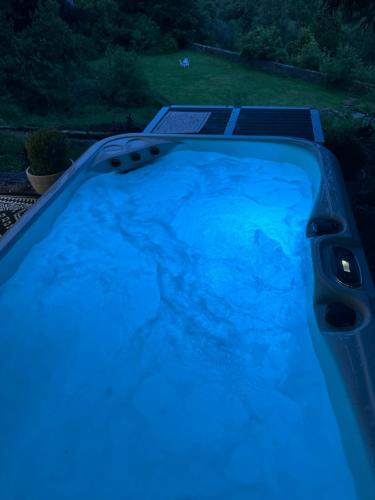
<point>212,80</point>
<point>209,80</point>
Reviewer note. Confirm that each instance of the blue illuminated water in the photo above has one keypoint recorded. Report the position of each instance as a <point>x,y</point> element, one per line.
<point>154,346</point>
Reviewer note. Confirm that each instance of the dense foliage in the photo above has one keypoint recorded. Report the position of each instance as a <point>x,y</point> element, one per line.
<point>333,36</point>
<point>48,48</point>
<point>362,10</point>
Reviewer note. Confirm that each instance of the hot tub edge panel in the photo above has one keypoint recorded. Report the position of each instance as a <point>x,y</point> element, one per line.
<point>350,347</point>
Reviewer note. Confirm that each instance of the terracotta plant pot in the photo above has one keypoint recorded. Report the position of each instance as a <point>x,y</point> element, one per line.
<point>41,183</point>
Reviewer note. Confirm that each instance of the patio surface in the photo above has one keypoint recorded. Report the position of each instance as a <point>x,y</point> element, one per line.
<point>12,208</point>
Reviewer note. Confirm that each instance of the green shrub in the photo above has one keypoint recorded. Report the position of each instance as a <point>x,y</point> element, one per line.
<point>10,111</point>
<point>9,63</point>
<point>85,90</point>
<point>47,152</point>
<point>121,81</point>
<point>310,56</point>
<point>185,21</point>
<point>169,44</point>
<point>100,21</point>
<point>261,43</point>
<point>327,30</point>
<point>365,73</point>
<point>363,41</point>
<point>368,107</point>
<point>145,35</point>
<point>343,138</point>
<point>305,36</point>
<point>305,51</point>
<point>12,156</point>
<point>222,34</point>
<point>340,69</point>
<point>85,48</point>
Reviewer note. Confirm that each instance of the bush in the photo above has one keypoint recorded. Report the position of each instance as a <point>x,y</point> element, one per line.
<point>222,34</point>
<point>169,44</point>
<point>307,51</point>
<point>47,152</point>
<point>100,21</point>
<point>327,30</point>
<point>84,91</point>
<point>369,106</point>
<point>310,55</point>
<point>340,70</point>
<point>145,35</point>
<point>10,111</point>
<point>12,157</point>
<point>140,33</point>
<point>185,22</point>
<point>304,37</point>
<point>9,60</point>
<point>261,43</point>
<point>363,41</point>
<point>84,47</point>
<point>365,74</point>
<point>121,82</point>
<point>343,138</point>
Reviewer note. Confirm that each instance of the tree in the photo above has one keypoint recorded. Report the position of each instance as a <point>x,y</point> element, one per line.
<point>241,12</point>
<point>327,30</point>
<point>261,43</point>
<point>121,81</point>
<point>101,21</point>
<point>184,24</point>
<point>307,50</point>
<point>340,70</point>
<point>20,12</point>
<point>363,10</point>
<point>48,54</point>
<point>8,53</point>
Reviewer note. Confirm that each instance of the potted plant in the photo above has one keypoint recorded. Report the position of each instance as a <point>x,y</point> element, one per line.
<point>48,156</point>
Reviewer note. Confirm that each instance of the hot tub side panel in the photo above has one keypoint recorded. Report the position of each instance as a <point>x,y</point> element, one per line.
<point>345,346</point>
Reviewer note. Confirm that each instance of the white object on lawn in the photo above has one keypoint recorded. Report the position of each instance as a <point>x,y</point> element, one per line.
<point>185,63</point>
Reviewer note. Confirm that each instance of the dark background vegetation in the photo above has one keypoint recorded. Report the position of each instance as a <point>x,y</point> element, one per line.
<point>47,46</point>
<point>61,56</point>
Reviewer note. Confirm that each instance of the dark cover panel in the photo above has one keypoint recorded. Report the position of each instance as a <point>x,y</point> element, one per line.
<point>276,122</point>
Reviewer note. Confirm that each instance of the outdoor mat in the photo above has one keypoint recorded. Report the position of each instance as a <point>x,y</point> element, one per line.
<point>182,122</point>
<point>12,208</point>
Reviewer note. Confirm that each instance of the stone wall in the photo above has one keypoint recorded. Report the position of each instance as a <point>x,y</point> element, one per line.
<point>89,135</point>
<point>308,75</point>
<point>216,51</point>
<point>268,66</point>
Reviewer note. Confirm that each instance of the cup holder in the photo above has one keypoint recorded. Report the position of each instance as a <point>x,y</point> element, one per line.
<point>115,162</point>
<point>135,156</point>
<point>321,225</point>
<point>340,315</point>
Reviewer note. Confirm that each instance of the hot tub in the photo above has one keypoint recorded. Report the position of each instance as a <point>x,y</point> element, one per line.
<point>199,327</point>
